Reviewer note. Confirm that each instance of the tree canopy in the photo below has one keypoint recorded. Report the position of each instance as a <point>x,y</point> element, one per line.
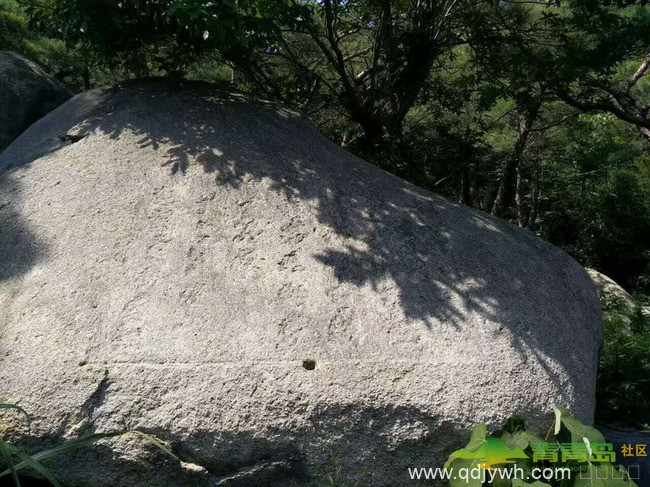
<point>535,110</point>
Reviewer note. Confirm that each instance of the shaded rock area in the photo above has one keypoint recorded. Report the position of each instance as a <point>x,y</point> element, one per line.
<point>211,270</point>
<point>27,93</point>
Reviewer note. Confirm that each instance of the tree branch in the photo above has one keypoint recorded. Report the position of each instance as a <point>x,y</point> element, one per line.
<point>638,73</point>
<point>603,105</point>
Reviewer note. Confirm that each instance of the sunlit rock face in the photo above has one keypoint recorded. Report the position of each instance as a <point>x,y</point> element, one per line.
<point>214,271</point>
<point>27,93</point>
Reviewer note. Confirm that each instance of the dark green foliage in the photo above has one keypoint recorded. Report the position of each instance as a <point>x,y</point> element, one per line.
<point>598,198</point>
<point>145,36</point>
<point>14,31</point>
<point>70,64</point>
<point>623,393</point>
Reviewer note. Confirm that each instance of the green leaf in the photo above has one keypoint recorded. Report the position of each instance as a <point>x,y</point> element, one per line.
<point>479,433</point>
<point>521,439</point>
<point>558,419</point>
<point>456,481</point>
<point>578,430</point>
<point>501,482</point>
<point>603,476</point>
<point>536,483</point>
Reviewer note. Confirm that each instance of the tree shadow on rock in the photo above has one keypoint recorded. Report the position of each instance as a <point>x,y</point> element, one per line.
<point>19,249</point>
<point>450,265</point>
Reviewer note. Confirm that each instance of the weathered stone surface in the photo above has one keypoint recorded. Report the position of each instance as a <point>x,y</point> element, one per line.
<point>27,93</point>
<point>216,272</point>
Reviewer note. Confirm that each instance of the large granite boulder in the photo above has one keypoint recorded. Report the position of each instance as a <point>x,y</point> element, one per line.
<point>214,271</point>
<point>27,93</point>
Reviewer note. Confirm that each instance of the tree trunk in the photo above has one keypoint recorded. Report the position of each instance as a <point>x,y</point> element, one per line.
<point>465,196</point>
<point>395,127</point>
<point>86,77</point>
<point>535,191</point>
<point>525,124</point>
<point>476,191</point>
<point>373,134</point>
<point>519,190</point>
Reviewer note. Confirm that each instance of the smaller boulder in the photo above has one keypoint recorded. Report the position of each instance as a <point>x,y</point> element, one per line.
<point>645,312</point>
<point>28,93</point>
<point>612,296</point>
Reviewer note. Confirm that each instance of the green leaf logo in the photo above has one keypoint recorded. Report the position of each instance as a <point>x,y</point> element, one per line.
<point>489,453</point>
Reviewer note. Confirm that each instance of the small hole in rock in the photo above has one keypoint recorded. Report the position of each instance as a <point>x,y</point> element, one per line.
<point>309,364</point>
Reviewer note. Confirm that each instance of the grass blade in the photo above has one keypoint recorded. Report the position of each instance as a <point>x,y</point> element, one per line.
<point>155,443</point>
<point>33,461</point>
<point>90,439</point>
<point>5,405</point>
<point>8,459</point>
<point>82,442</point>
<point>27,461</point>
<point>59,450</point>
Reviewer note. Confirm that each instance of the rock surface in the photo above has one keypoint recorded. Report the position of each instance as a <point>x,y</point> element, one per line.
<point>214,271</point>
<point>27,93</point>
